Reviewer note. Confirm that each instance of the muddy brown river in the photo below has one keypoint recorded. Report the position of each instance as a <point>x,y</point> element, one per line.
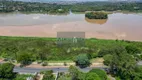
<point>117,26</point>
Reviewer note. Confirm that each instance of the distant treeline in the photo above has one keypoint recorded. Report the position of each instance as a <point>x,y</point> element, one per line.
<point>10,6</point>
<point>107,6</point>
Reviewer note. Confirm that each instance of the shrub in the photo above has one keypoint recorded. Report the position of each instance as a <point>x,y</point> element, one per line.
<point>48,75</point>
<point>82,60</point>
<point>44,64</point>
<point>92,76</point>
<point>65,64</point>
<point>107,59</point>
<point>102,74</point>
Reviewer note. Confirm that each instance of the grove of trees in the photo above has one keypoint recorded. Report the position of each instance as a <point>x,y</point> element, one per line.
<point>96,15</point>
<point>28,49</point>
<point>121,56</point>
<point>122,62</point>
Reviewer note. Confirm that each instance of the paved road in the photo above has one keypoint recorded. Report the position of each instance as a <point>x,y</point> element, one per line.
<point>33,70</point>
<point>55,70</point>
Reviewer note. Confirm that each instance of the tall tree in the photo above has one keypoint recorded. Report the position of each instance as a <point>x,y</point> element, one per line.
<point>6,71</point>
<point>82,60</point>
<point>122,64</point>
<point>73,71</point>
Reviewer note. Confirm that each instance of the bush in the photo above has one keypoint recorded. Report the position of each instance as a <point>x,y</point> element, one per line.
<point>102,74</point>
<point>65,77</point>
<point>44,64</point>
<point>104,52</point>
<point>92,76</point>
<point>65,64</point>
<point>48,75</point>
<point>82,60</point>
<point>22,77</point>
<point>74,72</point>
<point>107,59</point>
<point>117,78</point>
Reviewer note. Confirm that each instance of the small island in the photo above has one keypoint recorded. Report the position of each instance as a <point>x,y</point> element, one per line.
<point>96,15</point>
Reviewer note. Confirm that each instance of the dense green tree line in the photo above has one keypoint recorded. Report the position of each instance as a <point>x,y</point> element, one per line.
<point>122,63</point>
<point>107,6</point>
<point>121,56</point>
<point>9,6</point>
<point>16,48</point>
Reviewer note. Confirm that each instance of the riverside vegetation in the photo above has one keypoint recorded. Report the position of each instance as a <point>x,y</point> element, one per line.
<point>121,56</point>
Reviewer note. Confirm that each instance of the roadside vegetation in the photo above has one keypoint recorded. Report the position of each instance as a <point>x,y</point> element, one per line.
<point>6,73</point>
<point>121,73</point>
<point>75,74</point>
<point>48,75</point>
<point>22,76</point>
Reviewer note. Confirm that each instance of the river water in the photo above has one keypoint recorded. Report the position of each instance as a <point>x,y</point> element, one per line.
<point>117,26</point>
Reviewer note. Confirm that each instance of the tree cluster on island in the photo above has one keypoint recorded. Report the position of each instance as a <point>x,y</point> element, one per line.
<point>96,15</point>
